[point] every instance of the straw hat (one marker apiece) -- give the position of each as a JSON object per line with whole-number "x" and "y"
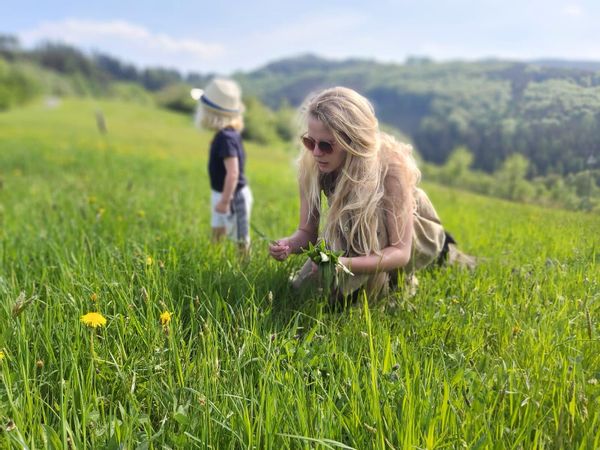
{"x": 223, "y": 96}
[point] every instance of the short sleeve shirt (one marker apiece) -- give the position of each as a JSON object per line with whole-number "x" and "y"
{"x": 227, "y": 143}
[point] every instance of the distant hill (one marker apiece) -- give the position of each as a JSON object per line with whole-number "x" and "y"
{"x": 547, "y": 111}
{"x": 593, "y": 66}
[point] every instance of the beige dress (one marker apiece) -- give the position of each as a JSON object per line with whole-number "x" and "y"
{"x": 428, "y": 241}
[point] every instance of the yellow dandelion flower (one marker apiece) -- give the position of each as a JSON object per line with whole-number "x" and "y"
{"x": 165, "y": 318}
{"x": 2, "y": 355}
{"x": 149, "y": 260}
{"x": 93, "y": 319}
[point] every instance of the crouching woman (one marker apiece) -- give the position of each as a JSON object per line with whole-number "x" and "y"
{"x": 376, "y": 216}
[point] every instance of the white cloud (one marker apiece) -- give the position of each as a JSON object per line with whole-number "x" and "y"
{"x": 329, "y": 34}
{"x": 573, "y": 10}
{"x": 312, "y": 30}
{"x": 126, "y": 40}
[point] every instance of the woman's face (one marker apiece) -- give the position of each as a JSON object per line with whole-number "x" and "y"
{"x": 328, "y": 161}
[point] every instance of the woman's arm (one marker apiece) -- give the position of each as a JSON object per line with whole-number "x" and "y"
{"x": 395, "y": 256}
{"x": 307, "y": 231}
{"x": 399, "y": 225}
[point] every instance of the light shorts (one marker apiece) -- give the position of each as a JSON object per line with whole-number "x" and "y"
{"x": 237, "y": 222}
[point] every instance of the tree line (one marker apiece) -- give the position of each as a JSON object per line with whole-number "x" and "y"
{"x": 60, "y": 69}
{"x": 98, "y": 69}
{"x": 551, "y": 115}
{"x": 527, "y": 131}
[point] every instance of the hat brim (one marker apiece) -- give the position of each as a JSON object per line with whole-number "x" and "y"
{"x": 220, "y": 110}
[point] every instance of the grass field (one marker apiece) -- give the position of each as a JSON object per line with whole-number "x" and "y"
{"x": 505, "y": 357}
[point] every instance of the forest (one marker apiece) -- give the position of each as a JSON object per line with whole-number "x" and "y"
{"x": 474, "y": 124}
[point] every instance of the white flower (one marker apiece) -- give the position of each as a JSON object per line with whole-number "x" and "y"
{"x": 324, "y": 257}
{"x": 344, "y": 268}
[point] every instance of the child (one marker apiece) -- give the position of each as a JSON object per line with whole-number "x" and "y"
{"x": 221, "y": 109}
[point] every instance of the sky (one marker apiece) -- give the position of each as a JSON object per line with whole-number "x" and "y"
{"x": 227, "y": 36}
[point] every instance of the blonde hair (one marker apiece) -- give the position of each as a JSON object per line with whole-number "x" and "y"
{"x": 212, "y": 120}
{"x": 378, "y": 172}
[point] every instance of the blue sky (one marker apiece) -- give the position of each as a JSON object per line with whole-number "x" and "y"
{"x": 224, "y": 36}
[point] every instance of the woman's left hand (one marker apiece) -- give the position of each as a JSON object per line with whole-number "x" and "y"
{"x": 280, "y": 249}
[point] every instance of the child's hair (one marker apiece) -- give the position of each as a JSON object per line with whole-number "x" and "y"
{"x": 374, "y": 162}
{"x": 212, "y": 120}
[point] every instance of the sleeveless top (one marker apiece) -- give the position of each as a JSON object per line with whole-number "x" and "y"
{"x": 428, "y": 241}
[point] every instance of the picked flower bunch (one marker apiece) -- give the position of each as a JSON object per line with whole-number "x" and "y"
{"x": 327, "y": 260}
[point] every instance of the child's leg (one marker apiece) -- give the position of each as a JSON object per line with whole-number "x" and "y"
{"x": 218, "y": 221}
{"x": 218, "y": 233}
{"x": 242, "y": 206}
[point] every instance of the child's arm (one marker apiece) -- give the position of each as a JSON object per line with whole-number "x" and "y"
{"x": 232, "y": 168}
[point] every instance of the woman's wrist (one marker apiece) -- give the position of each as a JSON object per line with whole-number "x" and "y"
{"x": 293, "y": 244}
{"x": 303, "y": 238}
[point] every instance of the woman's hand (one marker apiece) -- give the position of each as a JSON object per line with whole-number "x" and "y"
{"x": 280, "y": 249}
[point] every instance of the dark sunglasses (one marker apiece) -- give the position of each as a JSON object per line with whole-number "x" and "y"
{"x": 324, "y": 146}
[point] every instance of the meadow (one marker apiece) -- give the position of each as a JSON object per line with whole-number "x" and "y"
{"x": 202, "y": 350}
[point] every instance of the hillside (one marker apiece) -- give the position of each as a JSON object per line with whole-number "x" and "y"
{"x": 201, "y": 349}
{"x": 549, "y": 114}
{"x": 545, "y": 110}
{"x": 593, "y": 66}
{"x": 520, "y": 131}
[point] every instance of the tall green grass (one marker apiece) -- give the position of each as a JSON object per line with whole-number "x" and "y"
{"x": 507, "y": 356}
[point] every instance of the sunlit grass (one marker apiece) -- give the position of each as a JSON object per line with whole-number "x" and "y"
{"x": 202, "y": 350}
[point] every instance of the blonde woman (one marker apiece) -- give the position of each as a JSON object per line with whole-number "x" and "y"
{"x": 376, "y": 215}
{"x": 221, "y": 110}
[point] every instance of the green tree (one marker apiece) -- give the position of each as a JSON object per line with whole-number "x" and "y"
{"x": 259, "y": 122}
{"x": 176, "y": 97}
{"x": 457, "y": 166}
{"x": 16, "y": 85}
{"x": 284, "y": 119}
{"x": 9, "y": 46}
{"x": 511, "y": 178}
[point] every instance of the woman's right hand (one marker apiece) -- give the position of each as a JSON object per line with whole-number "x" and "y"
{"x": 280, "y": 249}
